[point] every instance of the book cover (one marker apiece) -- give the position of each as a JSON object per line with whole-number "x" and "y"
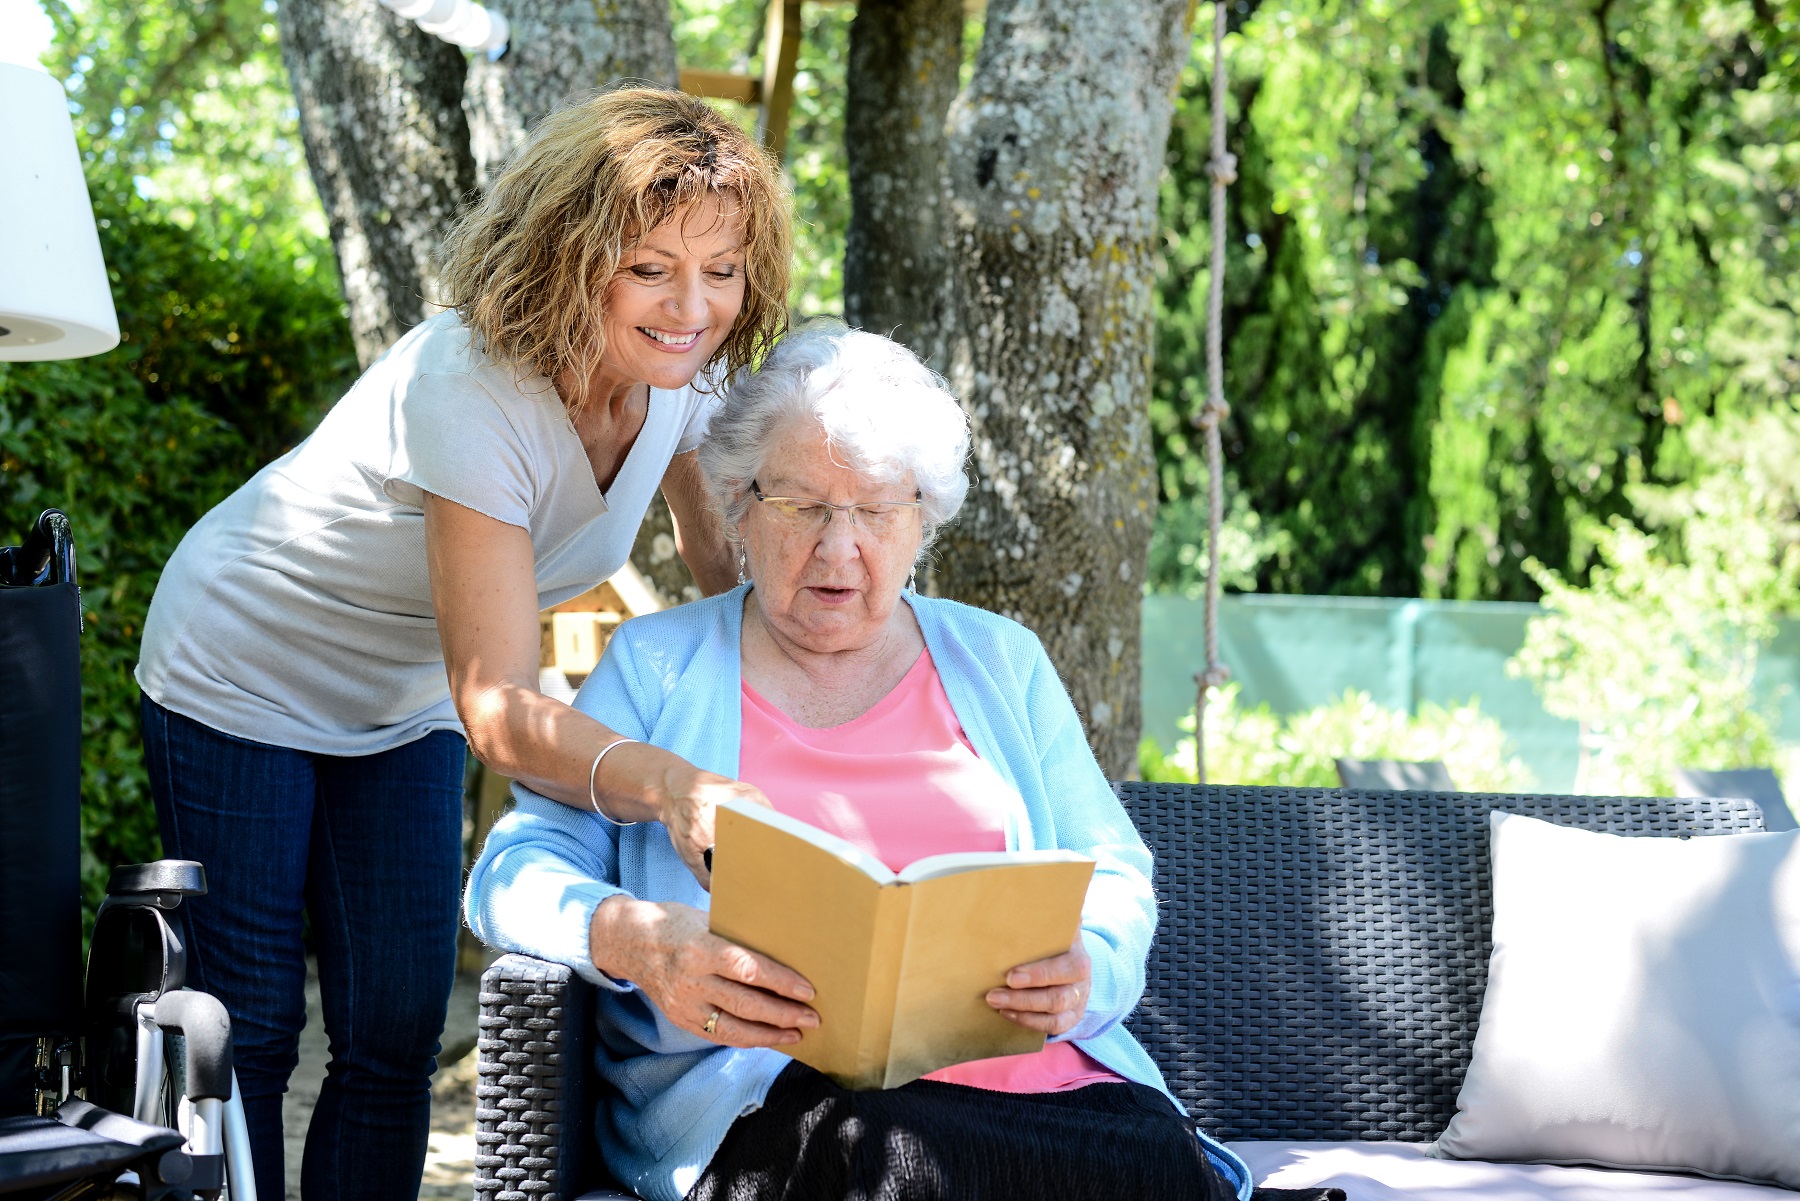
{"x": 901, "y": 962}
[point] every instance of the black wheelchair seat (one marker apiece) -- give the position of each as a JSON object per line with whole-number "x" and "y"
{"x": 83, "y": 1141}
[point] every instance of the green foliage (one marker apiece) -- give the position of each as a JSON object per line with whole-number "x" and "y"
{"x": 234, "y": 340}
{"x": 1483, "y": 264}
{"x": 1350, "y": 229}
{"x": 719, "y": 35}
{"x": 1256, "y": 746}
{"x": 1656, "y": 657}
{"x": 1178, "y": 548}
{"x": 816, "y": 161}
{"x": 185, "y": 102}
{"x": 225, "y": 363}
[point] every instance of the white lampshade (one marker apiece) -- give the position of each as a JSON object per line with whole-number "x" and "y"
{"x": 460, "y": 22}
{"x": 54, "y": 299}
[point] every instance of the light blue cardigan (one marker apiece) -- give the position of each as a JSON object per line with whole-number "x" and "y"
{"x": 672, "y": 679}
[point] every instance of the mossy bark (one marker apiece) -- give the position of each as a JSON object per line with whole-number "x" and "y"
{"x": 381, "y": 113}
{"x": 562, "y": 50}
{"x": 904, "y": 60}
{"x": 1054, "y": 152}
{"x": 653, "y": 554}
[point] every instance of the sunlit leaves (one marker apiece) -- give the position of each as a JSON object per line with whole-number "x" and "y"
{"x": 1256, "y": 746}
{"x": 186, "y": 102}
{"x": 1486, "y": 258}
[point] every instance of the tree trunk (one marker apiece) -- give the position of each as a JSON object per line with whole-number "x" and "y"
{"x": 904, "y": 60}
{"x": 562, "y": 49}
{"x": 653, "y": 554}
{"x": 1054, "y": 155}
{"x": 381, "y": 113}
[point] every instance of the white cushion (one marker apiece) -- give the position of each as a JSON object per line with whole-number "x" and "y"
{"x": 1642, "y": 1007}
{"x": 1403, "y": 1172}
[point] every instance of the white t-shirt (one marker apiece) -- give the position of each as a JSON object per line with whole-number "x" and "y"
{"x": 298, "y": 612}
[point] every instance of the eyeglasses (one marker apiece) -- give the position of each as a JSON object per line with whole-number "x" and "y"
{"x": 805, "y": 514}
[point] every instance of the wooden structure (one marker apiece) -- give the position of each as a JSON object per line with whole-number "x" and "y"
{"x": 572, "y": 635}
{"x": 772, "y": 92}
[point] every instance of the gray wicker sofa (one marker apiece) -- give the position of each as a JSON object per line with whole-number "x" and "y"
{"x": 1317, "y": 974}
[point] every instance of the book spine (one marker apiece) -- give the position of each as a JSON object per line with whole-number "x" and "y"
{"x": 887, "y": 954}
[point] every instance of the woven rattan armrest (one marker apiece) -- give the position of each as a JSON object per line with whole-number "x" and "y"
{"x": 534, "y": 1098}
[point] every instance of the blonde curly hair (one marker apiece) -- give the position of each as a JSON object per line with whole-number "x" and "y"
{"x": 528, "y": 265}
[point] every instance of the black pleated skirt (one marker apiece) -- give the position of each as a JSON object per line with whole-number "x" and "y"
{"x": 929, "y": 1141}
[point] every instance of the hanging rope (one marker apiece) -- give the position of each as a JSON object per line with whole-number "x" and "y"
{"x": 1223, "y": 169}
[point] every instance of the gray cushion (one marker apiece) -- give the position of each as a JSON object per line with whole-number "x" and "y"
{"x": 1397, "y": 774}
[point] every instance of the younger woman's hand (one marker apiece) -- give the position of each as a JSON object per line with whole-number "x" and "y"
{"x": 1047, "y": 994}
{"x": 696, "y": 978}
{"x": 687, "y": 806}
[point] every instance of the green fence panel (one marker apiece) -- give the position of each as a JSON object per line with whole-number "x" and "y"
{"x": 1298, "y": 652}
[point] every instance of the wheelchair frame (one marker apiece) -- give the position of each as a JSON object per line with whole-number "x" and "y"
{"x": 186, "y": 1135}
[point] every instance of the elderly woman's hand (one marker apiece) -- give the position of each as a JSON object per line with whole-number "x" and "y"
{"x": 698, "y": 979}
{"x": 1047, "y": 994}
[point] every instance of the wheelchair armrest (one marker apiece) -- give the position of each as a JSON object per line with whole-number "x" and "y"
{"x": 162, "y": 883}
{"x": 534, "y": 1096}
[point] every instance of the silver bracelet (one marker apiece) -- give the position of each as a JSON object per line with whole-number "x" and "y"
{"x": 595, "y": 770}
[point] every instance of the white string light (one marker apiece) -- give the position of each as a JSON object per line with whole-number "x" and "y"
{"x": 460, "y": 22}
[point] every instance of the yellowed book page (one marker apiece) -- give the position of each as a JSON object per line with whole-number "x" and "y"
{"x": 804, "y": 907}
{"x": 964, "y": 933}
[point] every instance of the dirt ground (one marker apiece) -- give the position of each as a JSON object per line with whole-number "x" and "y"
{"x": 450, "y": 1159}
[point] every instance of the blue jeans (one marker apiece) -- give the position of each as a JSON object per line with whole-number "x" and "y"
{"x": 370, "y": 847}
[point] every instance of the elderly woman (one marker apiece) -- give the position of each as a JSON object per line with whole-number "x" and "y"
{"x": 910, "y": 726}
{"x": 321, "y": 641}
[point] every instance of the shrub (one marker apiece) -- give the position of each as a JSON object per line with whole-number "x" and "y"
{"x": 1257, "y": 746}
{"x": 228, "y": 358}
{"x": 1657, "y": 656}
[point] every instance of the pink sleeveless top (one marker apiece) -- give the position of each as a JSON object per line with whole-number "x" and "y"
{"x": 902, "y": 782}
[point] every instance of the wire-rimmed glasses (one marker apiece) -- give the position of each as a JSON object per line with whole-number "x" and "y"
{"x": 803, "y": 513}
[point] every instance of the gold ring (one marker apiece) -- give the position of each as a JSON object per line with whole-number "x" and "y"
{"x": 712, "y": 1022}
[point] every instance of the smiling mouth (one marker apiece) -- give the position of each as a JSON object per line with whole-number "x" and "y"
{"x": 679, "y": 341}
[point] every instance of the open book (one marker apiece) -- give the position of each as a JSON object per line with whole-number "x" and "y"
{"x": 901, "y": 964}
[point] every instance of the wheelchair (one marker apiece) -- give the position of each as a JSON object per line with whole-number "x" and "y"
{"x": 119, "y": 1085}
